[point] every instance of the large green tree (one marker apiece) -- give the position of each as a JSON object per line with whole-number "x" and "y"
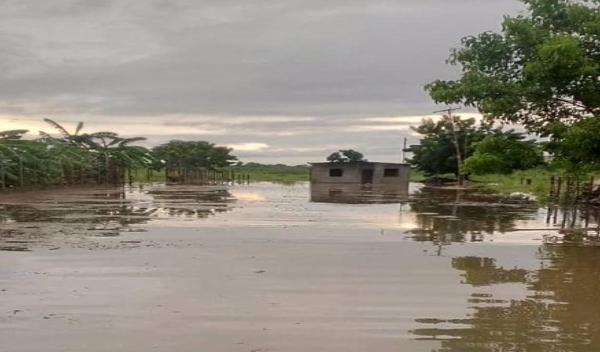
{"x": 445, "y": 144}
{"x": 579, "y": 146}
{"x": 189, "y": 155}
{"x": 541, "y": 70}
{"x": 503, "y": 153}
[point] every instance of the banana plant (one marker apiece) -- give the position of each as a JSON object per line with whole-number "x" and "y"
{"x": 13, "y": 154}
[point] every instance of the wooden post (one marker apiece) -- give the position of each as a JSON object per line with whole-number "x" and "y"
{"x": 558, "y": 188}
{"x": 549, "y": 215}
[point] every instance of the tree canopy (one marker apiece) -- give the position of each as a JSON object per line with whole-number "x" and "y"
{"x": 188, "y": 155}
{"x": 503, "y": 153}
{"x": 346, "y": 156}
{"x": 579, "y": 146}
{"x": 453, "y": 145}
{"x": 437, "y": 152}
{"x": 541, "y": 70}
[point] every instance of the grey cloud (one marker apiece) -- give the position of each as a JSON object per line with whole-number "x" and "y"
{"x": 295, "y": 58}
{"x": 335, "y": 60}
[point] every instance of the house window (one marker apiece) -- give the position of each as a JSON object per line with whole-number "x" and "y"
{"x": 391, "y": 172}
{"x": 336, "y": 172}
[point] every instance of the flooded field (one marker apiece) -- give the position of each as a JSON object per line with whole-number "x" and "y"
{"x": 261, "y": 267}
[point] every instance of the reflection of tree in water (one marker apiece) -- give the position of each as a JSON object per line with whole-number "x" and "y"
{"x": 483, "y": 271}
{"x": 96, "y": 208}
{"x": 445, "y": 215}
{"x": 118, "y": 214}
{"x": 113, "y": 208}
{"x": 200, "y": 203}
{"x": 561, "y": 313}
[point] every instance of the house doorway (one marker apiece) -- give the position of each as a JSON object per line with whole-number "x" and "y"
{"x": 367, "y": 176}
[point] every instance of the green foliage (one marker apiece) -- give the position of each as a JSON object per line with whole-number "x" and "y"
{"x": 189, "y": 155}
{"x": 541, "y": 71}
{"x": 346, "y": 156}
{"x": 67, "y": 159}
{"x": 107, "y": 154}
{"x": 503, "y": 153}
{"x": 436, "y": 152}
{"x": 579, "y": 146}
{"x": 273, "y": 172}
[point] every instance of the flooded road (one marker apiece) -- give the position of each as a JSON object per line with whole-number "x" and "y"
{"x": 261, "y": 268}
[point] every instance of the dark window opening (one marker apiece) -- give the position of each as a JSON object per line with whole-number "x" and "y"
{"x": 391, "y": 172}
{"x": 336, "y": 172}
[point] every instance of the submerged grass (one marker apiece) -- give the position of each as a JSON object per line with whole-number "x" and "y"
{"x": 534, "y": 181}
{"x": 273, "y": 173}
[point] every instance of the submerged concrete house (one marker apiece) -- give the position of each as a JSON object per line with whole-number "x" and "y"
{"x": 360, "y": 172}
{"x": 359, "y": 182}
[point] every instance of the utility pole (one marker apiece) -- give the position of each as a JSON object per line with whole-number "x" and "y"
{"x": 459, "y": 160}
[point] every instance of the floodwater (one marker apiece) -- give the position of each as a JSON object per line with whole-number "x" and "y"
{"x": 260, "y": 267}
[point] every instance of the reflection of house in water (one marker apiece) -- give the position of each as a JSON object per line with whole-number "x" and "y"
{"x": 359, "y": 182}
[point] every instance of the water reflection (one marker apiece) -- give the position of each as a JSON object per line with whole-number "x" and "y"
{"x": 355, "y": 193}
{"x": 116, "y": 206}
{"x": 186, "y": 202}
{"x": 446, "y": 216}
{"x": 484, "y": 272}
{"x": 560, "y": 312}
{"x": 576, "y": 216}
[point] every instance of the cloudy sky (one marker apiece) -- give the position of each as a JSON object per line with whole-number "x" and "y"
{"x": 284, "y": 81}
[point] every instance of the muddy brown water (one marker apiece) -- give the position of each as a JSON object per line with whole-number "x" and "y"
{"x": 262, "y": 268}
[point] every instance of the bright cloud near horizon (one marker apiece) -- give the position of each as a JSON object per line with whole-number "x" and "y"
{"x": 287, "y": 81}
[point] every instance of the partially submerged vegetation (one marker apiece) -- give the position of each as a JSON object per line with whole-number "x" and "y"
{"x": 69, "y": 159}
{"x": 78, "y": 158}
